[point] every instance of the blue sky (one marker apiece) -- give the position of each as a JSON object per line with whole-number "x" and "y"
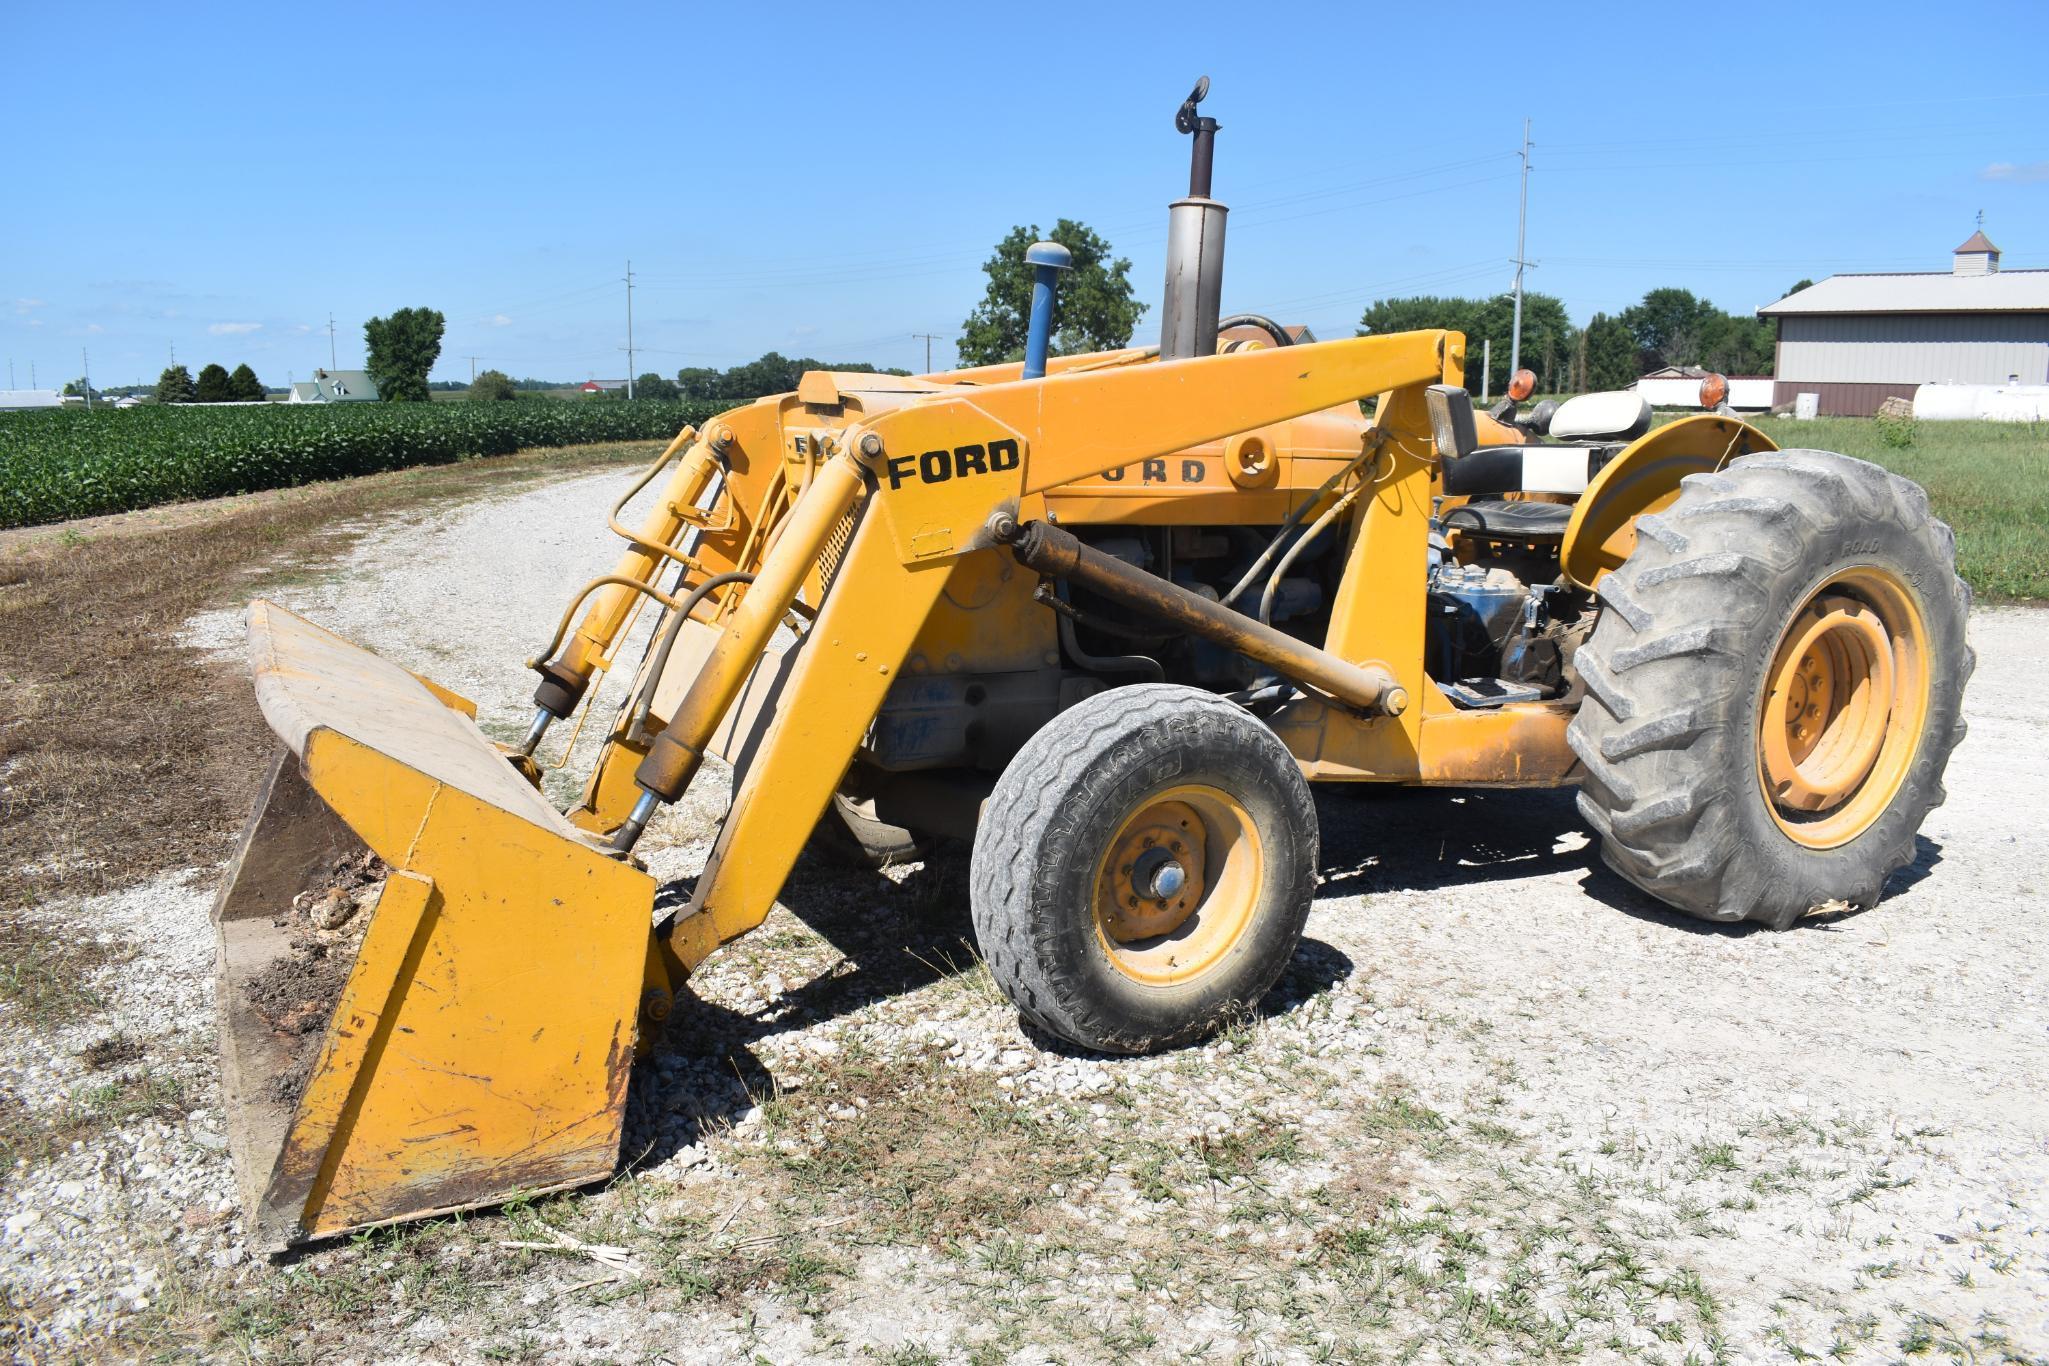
{"x": 827, "y": 180}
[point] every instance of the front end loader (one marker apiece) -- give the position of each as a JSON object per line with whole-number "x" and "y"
{"x": 1105, "y": 616}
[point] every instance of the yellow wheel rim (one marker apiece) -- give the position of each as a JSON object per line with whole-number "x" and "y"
{"x": 1845, "y": 700}
{"x": 1177, "y": 885}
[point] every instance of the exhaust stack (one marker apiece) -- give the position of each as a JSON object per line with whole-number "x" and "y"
{"x": 1195, "y": 244}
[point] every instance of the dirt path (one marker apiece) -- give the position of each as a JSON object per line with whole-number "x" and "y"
{"x": 1502, "y": 1106}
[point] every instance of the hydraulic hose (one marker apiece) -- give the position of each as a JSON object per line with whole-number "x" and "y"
{"x": 672, "y": 628}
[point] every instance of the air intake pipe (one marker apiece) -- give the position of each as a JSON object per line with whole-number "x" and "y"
{"x": 1195, "y": 244}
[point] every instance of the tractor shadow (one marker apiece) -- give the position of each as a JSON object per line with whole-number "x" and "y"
{"x": 894, "y": 934}
{"x": 1415, "y": 839}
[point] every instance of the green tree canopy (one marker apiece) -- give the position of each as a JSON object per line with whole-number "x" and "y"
{"x": 1549, "y": 338}
{"x": 244, "y": 386}
{"x": 1611, "y": 354}
{"x": 773, "y": 373}
{"x": 654, "y": 386}
{"x": 175, "y": 386}
{"x": 494, "y": 385}
{"x": 1671, "y": 327}
{"x": 1094, "y": 309}
{"x": 402, "y": 349}
{"x": 213, "y": 385}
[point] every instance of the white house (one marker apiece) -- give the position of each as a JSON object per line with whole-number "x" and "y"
{"x": 335, "y": 386}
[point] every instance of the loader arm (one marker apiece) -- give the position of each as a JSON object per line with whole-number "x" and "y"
{"x": 938, "y": 471}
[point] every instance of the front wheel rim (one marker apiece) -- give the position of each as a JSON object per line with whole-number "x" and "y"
{"x": 1176, "y": 890}
{"x": 1844, "y": 704}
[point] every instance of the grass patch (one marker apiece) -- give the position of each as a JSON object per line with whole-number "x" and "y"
{"x": 1988, "y": 480}
{"x": 927, "y": 1157}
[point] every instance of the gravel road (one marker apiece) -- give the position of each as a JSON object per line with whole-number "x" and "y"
{"x": 1503, "y": 1106}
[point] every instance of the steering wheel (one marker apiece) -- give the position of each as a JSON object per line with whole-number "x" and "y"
{"x": 1262, "y": 322}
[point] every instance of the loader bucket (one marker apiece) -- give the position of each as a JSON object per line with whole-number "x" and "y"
{"x": 462, "y": 1035}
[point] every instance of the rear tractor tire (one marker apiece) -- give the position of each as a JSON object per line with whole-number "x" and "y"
{"x": 1144, "y": 868}
{"x": 1774, "y": 687}
{"x": 850, "y": 834}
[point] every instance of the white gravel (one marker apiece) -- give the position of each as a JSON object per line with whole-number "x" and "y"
{"x": 1842, "y": 1132}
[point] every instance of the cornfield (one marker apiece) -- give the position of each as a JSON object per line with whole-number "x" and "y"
{"x": 75, "y": 463}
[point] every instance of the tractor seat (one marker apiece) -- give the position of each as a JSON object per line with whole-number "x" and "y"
{"x": 1512, "y": 521}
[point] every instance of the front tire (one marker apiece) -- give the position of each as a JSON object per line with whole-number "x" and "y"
{"x": 1144, "y": 868}
{"x": 1774, "y": 688}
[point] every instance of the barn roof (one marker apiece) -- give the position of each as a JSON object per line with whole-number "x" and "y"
{"x": 1978, "y": 241}
{"x": 2009, "y": 291}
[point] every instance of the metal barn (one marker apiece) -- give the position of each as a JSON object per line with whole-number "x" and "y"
{"x": 1857, "y": 340}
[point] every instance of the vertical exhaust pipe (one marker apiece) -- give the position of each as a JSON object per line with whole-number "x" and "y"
{"x": 1195, "y": 244}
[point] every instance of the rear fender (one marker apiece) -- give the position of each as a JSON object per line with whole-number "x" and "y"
{"x": 1645, "y": 478}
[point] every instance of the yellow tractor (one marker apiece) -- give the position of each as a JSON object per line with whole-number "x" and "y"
{"x": 1107, "y": 616}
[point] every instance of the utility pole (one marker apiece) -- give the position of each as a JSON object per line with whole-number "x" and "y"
{"x": 174, "y": 355}
{"x": 1522, "y": 219}
{"x": 928, "y": 338}
{"x": 10, "y": 372}
{"x": 473, "y": 369}
{"x": 1486, "y": 366}
{"x": 85, "y": 363}
{"x": 629, "y": 327}
{"x": 331, "y": 366}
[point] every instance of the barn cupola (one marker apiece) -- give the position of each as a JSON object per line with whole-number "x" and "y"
{"x": 1976, "y": 257}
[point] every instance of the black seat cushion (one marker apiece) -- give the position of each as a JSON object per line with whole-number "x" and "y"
{"x": 1517, "y": 521}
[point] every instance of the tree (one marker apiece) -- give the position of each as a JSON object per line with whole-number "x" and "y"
{"x": 244, "y": 387}
{"x": 78, "y": 388}
{"x": 1611, "y": 354}
{"x": 1548, "y": 336}
{"x": 653, "y": 386}
{"x": 494, "y": 385}
{"x": 774, "y": 373}
{"x": 402, "y": 349}
{"x": 175, "y": 386}
{"x": 213, "y": 385}
{"x": 1671, "y": 327}
{"x": 1094, "y": 309}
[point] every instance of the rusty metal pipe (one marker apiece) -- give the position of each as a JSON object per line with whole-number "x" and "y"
{"x": 1051, "y": 551}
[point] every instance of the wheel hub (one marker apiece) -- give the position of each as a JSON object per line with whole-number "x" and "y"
{"x": 1845, "y": 700}
{"x": 1156, "y": 872}
{"x": 1829, "y": 706}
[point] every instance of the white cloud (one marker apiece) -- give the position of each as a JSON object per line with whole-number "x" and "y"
{"x": 93, "y": 329}
{"x": 500, "y": 320}
{"x": 2034, "y": 173}
{"x": 303, "y": 328}
{"x": 27, "y": 305}
{"x": 233, "y": 329}
{"x": 804, "y": 330}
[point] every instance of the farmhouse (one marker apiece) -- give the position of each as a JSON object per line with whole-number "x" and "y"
{"x": 1857, "y": 340}
{"x": 335, "y": 386}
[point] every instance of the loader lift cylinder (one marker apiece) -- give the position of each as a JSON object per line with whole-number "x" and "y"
{"x": 678, "y": 751}
{"x": 1053, "y": 552}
